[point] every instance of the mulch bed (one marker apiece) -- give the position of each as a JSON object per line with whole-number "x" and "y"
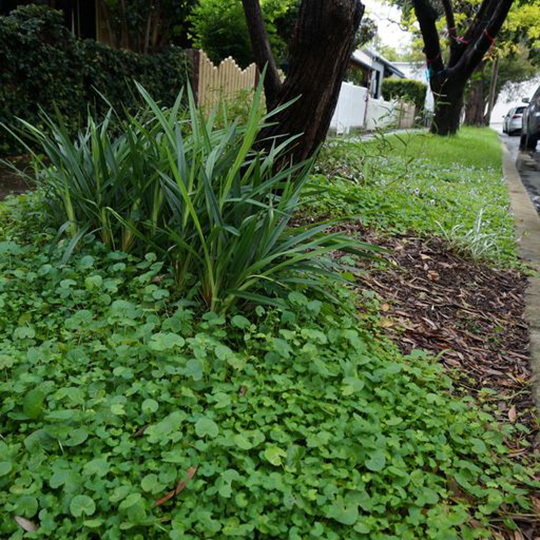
{"x": 472, "y": 316}
{"x": 469, "y": 313}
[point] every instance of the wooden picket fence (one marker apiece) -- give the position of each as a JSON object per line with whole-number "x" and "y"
{"x": 213, "y": 84}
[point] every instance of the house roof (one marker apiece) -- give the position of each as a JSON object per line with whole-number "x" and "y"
{"x": 367, "y": 57}
{"x": 362, "y": 59}
{"x": 413, "y": 70}
{"x": 390, "y": 66}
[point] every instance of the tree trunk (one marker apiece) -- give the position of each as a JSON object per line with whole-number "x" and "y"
{"x": 476, "y": 103}
{"x": 448, "y": 76}
{"x": 448, "y": 107}
{"x": 320, "y": 53}
{"x": 492, "y": 91}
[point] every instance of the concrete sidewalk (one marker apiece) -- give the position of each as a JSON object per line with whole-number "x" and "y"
{"x": 334, "y": 139}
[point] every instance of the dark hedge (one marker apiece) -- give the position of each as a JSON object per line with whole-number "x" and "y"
{"x": 43, "y": 66}
{"x": 405, "y": 90}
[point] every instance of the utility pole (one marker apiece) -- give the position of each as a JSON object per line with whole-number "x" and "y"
{"x": 492, "y": 88}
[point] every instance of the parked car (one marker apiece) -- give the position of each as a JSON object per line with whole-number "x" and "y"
{"x": 530, "y": 132}
{"x": 513, "y": 121}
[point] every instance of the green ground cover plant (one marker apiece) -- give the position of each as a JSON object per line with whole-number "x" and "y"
{"x": 417, "y": 182}
{"x": 126, "y": 413}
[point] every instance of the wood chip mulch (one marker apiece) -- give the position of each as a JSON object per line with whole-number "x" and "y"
{"x": 469, "y": 313}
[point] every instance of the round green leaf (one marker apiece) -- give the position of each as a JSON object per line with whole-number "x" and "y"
{"x": 82, "y": 504}
{"x": 274, "y": 454}
{"x": 206, "y": 427}
{"x": 131, "y": 500}
{"x": 242, "y": 442}
{"x": 150, "y": 406}
{"x": 376, "y": 462}
{"x": 164, "y": 341}
{"x": 149, "y": 482}
{"x": 33, "y": 403}
{"x": 27, "y": 506}
{"x": 77, "y": 436}
{"x": 5, "y": 467}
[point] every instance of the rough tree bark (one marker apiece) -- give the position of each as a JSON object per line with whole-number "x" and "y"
{"x": 476, "y": 101}
{"x": 448, "y": 80}
{"x": 320, "y": 51}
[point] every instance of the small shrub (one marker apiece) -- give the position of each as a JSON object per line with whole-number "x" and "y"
{"x": 43, "y": 67}
{"x": 478, "y": 242}
{"x": 202, "y": 197}
{"x": 405, "y": 90}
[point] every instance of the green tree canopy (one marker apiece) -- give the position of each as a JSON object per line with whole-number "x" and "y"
{"x": 220, "y": 28}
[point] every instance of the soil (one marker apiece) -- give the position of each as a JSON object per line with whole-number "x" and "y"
{"x": 471, "y": 314}
{"x": 10, "y": 182}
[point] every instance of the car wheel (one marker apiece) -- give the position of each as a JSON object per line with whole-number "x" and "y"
{"x": 529, "y": 143}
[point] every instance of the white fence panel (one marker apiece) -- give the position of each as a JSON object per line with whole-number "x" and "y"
{"x": 350, "y": 110}
{"x": 406, "y": 115}
{"x": 356, "y": 110}
{"x": 381, "y": 113}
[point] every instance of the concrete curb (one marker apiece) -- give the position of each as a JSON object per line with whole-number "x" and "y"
{"x": 527, "y": 224}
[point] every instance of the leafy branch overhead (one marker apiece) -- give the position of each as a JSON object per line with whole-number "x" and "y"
{"x": 449, "y": 73}
{"x": 467, "y": 50}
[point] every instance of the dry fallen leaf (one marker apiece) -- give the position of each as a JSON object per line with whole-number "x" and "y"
{"x": 433, "y": 275}
{"x": 512, "y": 414}
{"x": 179, "y": 487}
{"x": 385, "y": 307}
{"x": 25, "y": 524}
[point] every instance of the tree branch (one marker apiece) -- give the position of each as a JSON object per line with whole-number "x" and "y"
{"x": 485, "y": 38}
{"x": 427, "y": 18}
{"x": 450, "y": 20}
{"x": 262, "y": 51}
{"x": 452, "y": 33}
{"x": 484, "y": 13}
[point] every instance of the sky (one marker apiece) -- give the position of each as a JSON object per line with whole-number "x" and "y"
{"x": 387, "y": 17}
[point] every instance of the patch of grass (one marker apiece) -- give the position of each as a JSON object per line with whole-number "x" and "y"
{"x": 126, "y": 414}
{"x": 422, "y": 183}
{"x": 478, "y": 148}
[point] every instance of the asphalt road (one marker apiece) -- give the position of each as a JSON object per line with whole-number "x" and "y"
{"x": 528, "y": 165}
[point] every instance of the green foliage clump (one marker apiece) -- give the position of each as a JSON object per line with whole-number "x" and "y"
{"x": 43, "y": 67}
{"x": 213, "y": 206}
{"x": 291, "y": 423}
{"x": 220, "y": 28}
{"x": 405, "y": 90}
{"x": 422, "y": 183}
